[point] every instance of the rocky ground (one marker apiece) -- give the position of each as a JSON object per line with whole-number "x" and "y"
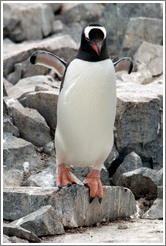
{"x": 132, "y": 175}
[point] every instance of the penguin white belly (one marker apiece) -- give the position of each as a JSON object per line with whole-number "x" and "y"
{"x": 85, "y": 114}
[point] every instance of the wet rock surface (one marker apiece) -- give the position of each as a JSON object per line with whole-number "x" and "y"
{"x": 29, "y": 123}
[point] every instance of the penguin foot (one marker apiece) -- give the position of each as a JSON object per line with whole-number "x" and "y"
{"x": 93, "y": 182}
{"x": 64, "y": 178}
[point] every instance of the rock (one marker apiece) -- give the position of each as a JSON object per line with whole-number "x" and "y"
{"x": 45, "y": 102}
{"x": 131, "y": 162}
{"x": 72, "y": 203}
{"x": 16, "y": 151}
{"x": 32, "y": 126}
{"x": 37, "y": 16}
{"x": 27, "y": 85}
{"x": 143, "y": 182}
{"x": 43, "y": 222}
{"x": 13, "y": 239}
{"x": 49, "y": 148}
{"x": 83, "y": 13}
{"x": 151, "y": 57}
{"x": 155, "y": 211}
{"x": 112, "y": 156}
{"x": 139, "y": 29}
{"x": 45, "y": 178}
{"x": 20, "y": 232}
{"x": 138, "y": 115}
{"x": 62, "y": 45}
{"x": 12, "y": 177}
{"x": 9, "y": 127}
{"x": 118, "y": 14}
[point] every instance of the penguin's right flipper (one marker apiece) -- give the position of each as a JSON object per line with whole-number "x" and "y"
{"x": 48, "y": 59}
{"x": 124, "y": 64}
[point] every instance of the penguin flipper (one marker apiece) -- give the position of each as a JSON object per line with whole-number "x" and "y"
{"x": 48, "y": 59}
{"x": 124, "y": 64}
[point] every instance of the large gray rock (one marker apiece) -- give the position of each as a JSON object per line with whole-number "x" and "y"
{"x": 115, "y": 18}
{"x": 16, "y": 151}
{"x": 20, "y": 232}
{"x": 150, "y": 56}
{"x": 143, "y": 182}
{"x": 155, "y": 211}
{"x": 131, "y": 162}
{"x": 43, "y": 222}
{"x": 72, "y": 203}
{"x": 46, "y": 103}
{"x": 29, "y": 21}
{"x": 141, "y": 29}
{"x": 32, "y": 126}
{"x": 62, "y": 45}
{"x": 84, "y": 13}
{"x": 139, "y": 117}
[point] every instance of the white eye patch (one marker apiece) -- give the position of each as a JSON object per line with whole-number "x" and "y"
{"x": 89, "y": 28}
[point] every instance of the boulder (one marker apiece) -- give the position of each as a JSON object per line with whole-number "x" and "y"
{"x": 115, "y": 18}
{"x": 20, "y": 232}
{"x": 72, "y": 203}
{"x": 45, "y": 102}
{"x": 32, "y": 126}
{"x": 139, "y": 119}
{"x": 139, "y": 29}
{"x": 43, "y": 222}
{"x": 83, "y": 13}
{"x": 16, "y": 151}
{"x": 131, "y": 162}
{"x": 143, "y": 182}
{"x": 150, "y": 56}
{"x": 29, "y": 21}
{"x": 155, "y": 211}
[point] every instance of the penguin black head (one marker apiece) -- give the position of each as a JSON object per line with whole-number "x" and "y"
{"x": 93, "y": 43}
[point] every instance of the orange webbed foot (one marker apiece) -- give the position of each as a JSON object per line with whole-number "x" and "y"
{"x": 94, "y": 183}
{"x": 64, "y": 177}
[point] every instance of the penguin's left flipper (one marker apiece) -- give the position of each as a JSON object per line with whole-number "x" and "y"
{"x": 48, "y": 59}
{"x": 124, "y": 64}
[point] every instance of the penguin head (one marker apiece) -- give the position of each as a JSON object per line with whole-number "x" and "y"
{"x": 93, "y": 43}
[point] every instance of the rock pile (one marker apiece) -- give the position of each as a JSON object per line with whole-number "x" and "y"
{"x": 30, "y": 93}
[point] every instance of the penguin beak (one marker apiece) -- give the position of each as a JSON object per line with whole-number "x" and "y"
{"x": 97, "y": 46}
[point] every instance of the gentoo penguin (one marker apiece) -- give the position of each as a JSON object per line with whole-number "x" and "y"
{"x": 86, "y": 107}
